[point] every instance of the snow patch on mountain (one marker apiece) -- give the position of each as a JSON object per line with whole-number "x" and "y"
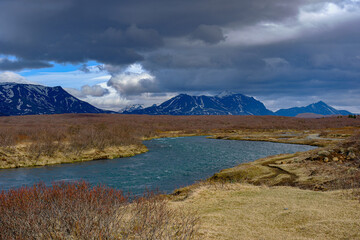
{"x": 131, "y": 108}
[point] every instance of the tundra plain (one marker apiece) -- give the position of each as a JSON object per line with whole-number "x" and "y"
{"x": 306, "y": 195}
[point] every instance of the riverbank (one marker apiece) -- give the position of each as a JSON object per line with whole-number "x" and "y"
{"x": 26, "y": 155}
{"x": 20, "y": 156}
{"x": 306, "y": 195}
{"x": 319, "y": 137}
{"x": 320, "y": 169}
{"x": 335, "y": 163}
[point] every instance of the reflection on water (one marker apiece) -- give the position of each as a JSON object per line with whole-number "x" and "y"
{"x": 170, "y": 163}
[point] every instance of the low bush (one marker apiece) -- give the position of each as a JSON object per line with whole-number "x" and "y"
{"x": 80, "y": 211}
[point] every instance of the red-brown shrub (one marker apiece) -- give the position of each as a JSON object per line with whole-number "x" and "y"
{"x": 79, "y": 211}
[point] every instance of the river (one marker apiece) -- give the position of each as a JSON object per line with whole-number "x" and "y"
{"x": 170, "y": 163}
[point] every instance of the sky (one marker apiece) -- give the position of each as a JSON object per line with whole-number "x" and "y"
{"x": 116, "y": 53}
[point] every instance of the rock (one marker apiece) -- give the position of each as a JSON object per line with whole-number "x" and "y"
{"x": 314, "y": 157}
{"x": 318, "y": 188}
{"x": 324, "y": 153}
{"x": 352, "y": 170}
{"x": 351, "y": 149}
{"x": 351, "y": 155}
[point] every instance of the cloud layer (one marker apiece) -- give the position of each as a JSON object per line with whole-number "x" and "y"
{"x": 277, "y": 49}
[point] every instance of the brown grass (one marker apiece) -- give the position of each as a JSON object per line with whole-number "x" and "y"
{"x": 79, "y": 211}
{"x": 240, "y": 211}
{"x": 227, "y": 210}
{"x": 76, "y": 132}
{"x": 100, "y": 130}
{"x": 48, "y": 139}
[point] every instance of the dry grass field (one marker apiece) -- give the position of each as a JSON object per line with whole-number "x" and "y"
{"x": 305, "y": 195}
{"x": 49, "y": 139}
{"x": 242, "y": 211}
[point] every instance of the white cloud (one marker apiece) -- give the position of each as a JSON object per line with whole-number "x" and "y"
{"x": 96, "y": 90}
{"x": 135, "y": 68}
{"x": 86, "y": 90}
{"x": 13, "y": 77}
{"x": 110, "y": 101}
{"x": 127, "y": 86}
{"x": 101, "y": 89}
{"x": 133, "y": 83}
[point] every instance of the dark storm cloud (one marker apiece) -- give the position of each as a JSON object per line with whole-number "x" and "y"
{"x": 322, "y": 61}
{"x": 119, "y": 32}
{"x": 258, "y": 47}
{"x": 6, "y": 64}
{"x": 208, "y": 34}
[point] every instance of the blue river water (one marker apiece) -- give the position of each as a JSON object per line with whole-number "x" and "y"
{"x": 170, "y": 163}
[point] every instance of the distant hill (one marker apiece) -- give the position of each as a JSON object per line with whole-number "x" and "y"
{"x": 222, "y": 104}
{"x": 29, "y": 99}
{"x": 315, "y": 108}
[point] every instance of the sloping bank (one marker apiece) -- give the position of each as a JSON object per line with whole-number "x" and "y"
{"x": 274, "y": 197}
{"x": 20, "y": 156}
{"x": 335, "y": 163}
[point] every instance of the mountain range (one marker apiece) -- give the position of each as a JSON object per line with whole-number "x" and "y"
{"x": 223, "y": 104}
{"x": 29, "y": 99}
{"x": 226, "y": 104}
{"x": 316, "y": 108}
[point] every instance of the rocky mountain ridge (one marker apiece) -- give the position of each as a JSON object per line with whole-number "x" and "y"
{"x": 227, "y": 103}
{"x": 29, "y": 99}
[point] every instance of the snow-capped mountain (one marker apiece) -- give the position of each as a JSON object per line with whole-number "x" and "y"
{"x": 317, "y": 108}
{"x": 131, "y": 108}
{"x": 28, "y": 99}
{"x": 222, "y": 104}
